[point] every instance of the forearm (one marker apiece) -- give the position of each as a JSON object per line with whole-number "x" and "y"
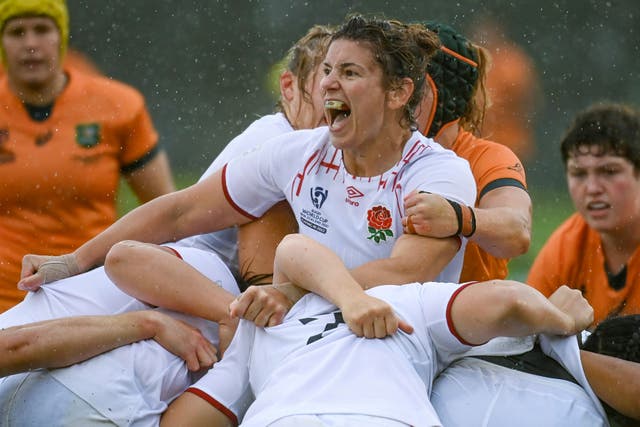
{"x": 413, "y": 259}
{"x": 615, "y": 381}
{"x": 154, "y": 274}
{"x": 502, "y": 232}
{"x": 503, "y": 222}
{"x": 152, "y": 222}
{"x": 315, "y": 268}
{"x": 201, "y": 208}
{"x": 62, "y": 342}
{"x": 486, "y": 310}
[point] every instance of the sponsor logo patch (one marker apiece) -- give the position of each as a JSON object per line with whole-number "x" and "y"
{"x": 88, "y": 134}
{"x": 353, "y": 193}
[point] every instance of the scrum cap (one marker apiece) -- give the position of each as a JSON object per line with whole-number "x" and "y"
{"x": 54, "y": 9}
{"x": 452, "y": 76}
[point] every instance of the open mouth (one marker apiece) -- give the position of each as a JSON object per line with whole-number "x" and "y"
{"x": 597, "y": 206}
{"x": 336, "y": 110}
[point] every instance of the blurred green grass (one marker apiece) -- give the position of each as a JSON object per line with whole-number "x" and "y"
{"x": 550, "y": 209}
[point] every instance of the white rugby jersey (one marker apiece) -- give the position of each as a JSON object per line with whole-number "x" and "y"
{"x": 358, "y": 218}
{"x": 474, "y": 393}
{"x": 224, "y": 242}
{"x": 313, "y": 364}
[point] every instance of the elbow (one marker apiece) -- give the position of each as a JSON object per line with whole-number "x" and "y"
{"x": 514, "y": 307}
{"x": 120, "y": 259}
{"x": 515, "y": 245}
{"x": 522, "y": 242}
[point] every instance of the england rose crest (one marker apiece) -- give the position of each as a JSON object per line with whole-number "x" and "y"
{"x": 380, "y": 222}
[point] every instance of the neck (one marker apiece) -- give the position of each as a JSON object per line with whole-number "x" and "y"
{"x": 448, "y": 134}
{"x": 618, "y": 248}
{"x": 40, "y": 94}
{"x": 377, "y": 158}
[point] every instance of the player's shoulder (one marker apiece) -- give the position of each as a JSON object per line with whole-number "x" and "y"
{"x": 268, "y": 126}
{"x": 468, "y": 146}
{"x": 420, "y": 150}
{"x": 298, "y": 142}
{"x": 571, "y": 236}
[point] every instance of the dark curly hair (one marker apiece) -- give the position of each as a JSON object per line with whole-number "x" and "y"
{"x": 604, "y": 129}
{"x": 402, "y": 50}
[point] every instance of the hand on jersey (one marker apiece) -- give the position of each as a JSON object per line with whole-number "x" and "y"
{"x": 184, "y": 341}
{"x": 40, "y": 269}
{"x": 429, "y": 215}
{"x": 226, "y": 330}
{"x": 264, "y": 305}
{"x": 572, "y": 303}
{"x": 371, "y": 317}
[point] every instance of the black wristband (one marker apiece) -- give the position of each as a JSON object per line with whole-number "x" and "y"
{"x": 458, "y": 210}
{"x": 473, "y": 223}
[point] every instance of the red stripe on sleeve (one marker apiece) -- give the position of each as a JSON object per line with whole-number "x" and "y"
{"x": 450, "y": 320}
{"x": 175, "y": 252}
{"x": 230, "y": 200}
{"x": 213, "y": 402}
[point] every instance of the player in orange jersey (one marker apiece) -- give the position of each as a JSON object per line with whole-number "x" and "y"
{"x": 597, "y": 249}
{"x": 451, "y": 113}
{"x": 66, "y": 138}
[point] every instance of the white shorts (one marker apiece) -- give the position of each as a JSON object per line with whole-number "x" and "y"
{"x": 476, "y": 393}
{"x": 336, "y": 420}
{"x": 21, "y": 394}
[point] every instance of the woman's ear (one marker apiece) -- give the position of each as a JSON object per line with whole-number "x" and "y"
{"x": 287, "y": 89}
{"x": 400, "y": 95}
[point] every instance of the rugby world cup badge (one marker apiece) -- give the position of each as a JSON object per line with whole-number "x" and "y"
{"x": 313, "y": 218}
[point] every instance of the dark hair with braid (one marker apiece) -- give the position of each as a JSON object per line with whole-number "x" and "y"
{"x": 402, "y": 50}
{"x": 617, "y": 337}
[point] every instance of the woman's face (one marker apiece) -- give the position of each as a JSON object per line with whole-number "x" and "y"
{"x": 605, "y": 191}
{"x": 355, "y": 99}
{"x": 32, "y": 49}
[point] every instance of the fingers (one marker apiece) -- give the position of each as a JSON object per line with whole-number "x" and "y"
{"x": 381, "y": 327}
{"x": 239, "y": 306}
{"x": 574, "y": 304}
{"x": 261, "y": 305}
{"x": 31, "y": 283}
{"x": 410, "y": 228}
{"x": 405, "y": 327}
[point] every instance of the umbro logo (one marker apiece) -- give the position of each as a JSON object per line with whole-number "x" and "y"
{"x": 353, "y": 193}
